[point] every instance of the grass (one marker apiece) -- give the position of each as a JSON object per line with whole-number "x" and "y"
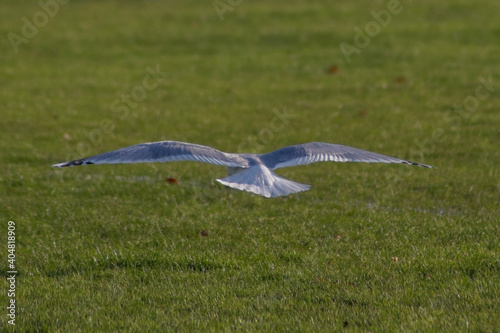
{"x": 381, "y": 248}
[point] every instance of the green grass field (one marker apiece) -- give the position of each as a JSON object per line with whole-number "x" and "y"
{"x": 370, "y": 248}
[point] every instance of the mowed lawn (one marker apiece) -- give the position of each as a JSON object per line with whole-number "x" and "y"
{"x": 370, "y": 248}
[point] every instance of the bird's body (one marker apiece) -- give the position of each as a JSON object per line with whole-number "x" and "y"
{"x": 246, "y": 172}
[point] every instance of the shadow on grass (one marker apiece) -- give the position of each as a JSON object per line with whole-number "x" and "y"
{"x": 197, "y": 265}
{"x": 182, "y": 264}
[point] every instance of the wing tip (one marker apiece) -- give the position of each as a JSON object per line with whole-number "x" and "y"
{"x": 419, "y": 164}
{"x": 71, "y": 163}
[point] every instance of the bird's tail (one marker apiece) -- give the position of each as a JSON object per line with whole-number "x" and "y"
{"x": 260, "y": 180}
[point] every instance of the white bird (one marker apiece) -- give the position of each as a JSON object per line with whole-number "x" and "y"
{"x": 246, "y": 172}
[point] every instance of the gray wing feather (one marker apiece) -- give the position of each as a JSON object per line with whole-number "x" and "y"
{"x": 163, "y": 151}
{"x": 319, "y": 152}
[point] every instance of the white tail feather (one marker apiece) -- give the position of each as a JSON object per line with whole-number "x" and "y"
{"x": 260, "y": 180}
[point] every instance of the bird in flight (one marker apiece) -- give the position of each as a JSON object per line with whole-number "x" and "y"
{"x": 246, "y": 172}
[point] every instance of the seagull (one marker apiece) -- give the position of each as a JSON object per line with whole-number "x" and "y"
{"x": 246, "y": 172}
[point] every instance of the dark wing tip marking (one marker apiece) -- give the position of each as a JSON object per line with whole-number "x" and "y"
{"x": 71, "y": 163}
{"x": 418, "y": 164}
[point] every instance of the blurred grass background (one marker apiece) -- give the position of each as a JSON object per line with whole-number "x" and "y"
{"x": 369, "y": 248}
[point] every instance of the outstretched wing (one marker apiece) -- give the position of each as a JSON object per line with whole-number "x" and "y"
{"x": 319, "y": 152}
{"x": 163, "y": 151}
